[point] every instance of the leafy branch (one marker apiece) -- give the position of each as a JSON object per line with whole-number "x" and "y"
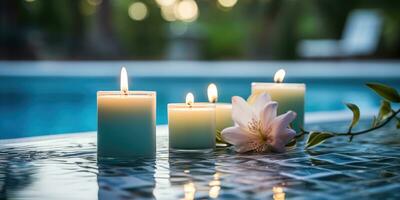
{"x": 386, "y": 114}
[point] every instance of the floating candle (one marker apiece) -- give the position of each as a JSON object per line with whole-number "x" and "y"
{"x": 290, "y": 96}
{"x": 191, "y": 125}
{"x": 223, "y": 111}
{"x": 126, "y": 122}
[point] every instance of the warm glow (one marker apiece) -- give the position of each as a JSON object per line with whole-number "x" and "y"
{"x": 187, "y": 10}
{"x": 215, "y": 186}
{"x": 214, "y": 191}
{"x": 190, "y": 191}
{"x": 124, "y": 81}
{"x": 165, "y": 2}
{"x": 167, "y": 12}
{"x": 212, "y": 93}
{"x": 278, "y": 193}
{"x": 137, "y": 11}
{"x": 279, "y": 76}
{"x": 227, "y": 3}
{"x": 189, "y": 99}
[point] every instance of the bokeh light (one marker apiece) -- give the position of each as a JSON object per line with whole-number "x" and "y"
{"x": 227, "y": 3}
{"x": 87, "y": 8}
{"x": 138, "y": 11}
{"x": 165, "y": 2}
{"x": 168, "y": 14}
{"x": 94, "y": 2}
{"x": 186, "y": 10}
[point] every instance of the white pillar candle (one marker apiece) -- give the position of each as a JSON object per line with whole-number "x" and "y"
{"x": 191, "y": 125}
{"x": 290, "y": 96}
{"x": 126, "y": 123}
{"x": 223, "y": 111}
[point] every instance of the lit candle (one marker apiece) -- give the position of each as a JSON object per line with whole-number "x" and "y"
{"x": 290, "y": 96}
{"x": 126, "y": 123}
{"x": 191, "y": 125}
{"x": 223, "y": 111}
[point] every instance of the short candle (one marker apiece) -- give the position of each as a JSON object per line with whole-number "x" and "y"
{"x": 290, "y": 96}
{"x": 126, "y": 123}
{"x": 223, "y": 111}
{"x": 191, "y": 125}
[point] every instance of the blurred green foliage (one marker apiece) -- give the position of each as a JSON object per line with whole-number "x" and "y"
{"x": 252, "y": 29}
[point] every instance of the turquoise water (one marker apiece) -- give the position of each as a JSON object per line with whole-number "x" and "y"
{"x": 66, "y": 167}
{"x": 31, "y": 106}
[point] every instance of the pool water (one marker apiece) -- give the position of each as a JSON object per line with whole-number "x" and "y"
{"x": 65, "y": 167}
{"x": 31, "y": 106}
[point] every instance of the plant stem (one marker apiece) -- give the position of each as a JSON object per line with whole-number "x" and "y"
{"x": 370, "y": 129}
{"x": 352, "y": 134}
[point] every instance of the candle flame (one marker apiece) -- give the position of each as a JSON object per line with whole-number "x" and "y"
{"x": 189, "y": 99}
{"x": 124, "y": 81}
{"x": 279, "y": 76}
{"x": 212, "y": 93}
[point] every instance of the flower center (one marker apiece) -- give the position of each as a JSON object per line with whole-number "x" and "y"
{"x": 255, "y": 126}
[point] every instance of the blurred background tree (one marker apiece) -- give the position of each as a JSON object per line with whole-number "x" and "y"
{"x": 183, "y": 29}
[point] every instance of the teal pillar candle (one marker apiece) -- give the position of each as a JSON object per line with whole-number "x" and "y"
{"x": 290, "y": 96}
{"x": 126, "y": 124}
{"x": 191, "y": 127}
{"x": 223, "y": 115}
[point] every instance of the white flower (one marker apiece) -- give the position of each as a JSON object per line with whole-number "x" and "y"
{"x": 258, "y": 127}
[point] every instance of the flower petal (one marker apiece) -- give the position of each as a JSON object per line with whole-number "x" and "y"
{"x": 268, "y": 114}
{"x": 241, "y": 111}
{"x": 240, "y": 139}
{"x": 262, "y": 99}
{"x": 282, "y": 121}
{"x": 279, "y": 144}
{"x": 280, "y": 134}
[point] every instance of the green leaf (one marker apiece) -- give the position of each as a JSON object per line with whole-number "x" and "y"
{"x": 374, "y": 122}
{"x": 317, "y": 138}
{"x": 218, "y": 137}
{"x": 292, "y": 143}
{"x": 356, "y": 114}
{"x": 387, "y": 92}
{"x": 384, "y": 110}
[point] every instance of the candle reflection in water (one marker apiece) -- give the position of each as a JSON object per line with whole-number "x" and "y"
{"x": 190, "y": 190}
{"x": 215, "y": 186}
{"x": 184, "y": 173}
{"x": 114, "y": 183}
{"x": 278, "y": 193}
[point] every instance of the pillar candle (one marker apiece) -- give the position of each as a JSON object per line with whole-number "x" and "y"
{"x": 223, "y": 111}
{"x": 290, "y": 96}
{"x": 191, "y": 125}
{"x": 126, "y": 123}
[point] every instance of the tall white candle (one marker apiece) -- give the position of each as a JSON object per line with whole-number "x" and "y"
{"x": 223, "y": 111}
{"x": 191, "y": 125}
{"x": 126, "y": 123}
{"x": 290, "y": 96}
